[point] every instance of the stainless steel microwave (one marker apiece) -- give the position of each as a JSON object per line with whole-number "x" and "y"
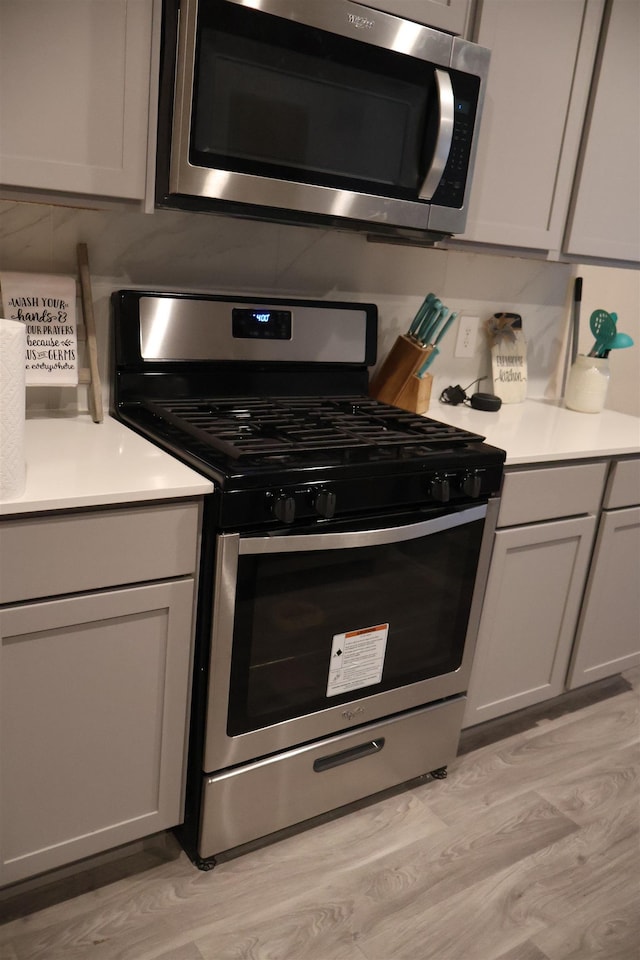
{"x": 323, "y": 111}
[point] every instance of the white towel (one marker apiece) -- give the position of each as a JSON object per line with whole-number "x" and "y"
{"x": 12, "y": 409}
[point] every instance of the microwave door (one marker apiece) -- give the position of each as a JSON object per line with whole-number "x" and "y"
{"x": 299, "y": 120}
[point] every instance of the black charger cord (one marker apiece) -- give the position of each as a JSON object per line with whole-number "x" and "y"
{"x": 479, "y": 401}
{"x": 456, "y": 395}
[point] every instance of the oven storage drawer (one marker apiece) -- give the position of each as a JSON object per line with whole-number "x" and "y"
{"x": 311, "y": 780}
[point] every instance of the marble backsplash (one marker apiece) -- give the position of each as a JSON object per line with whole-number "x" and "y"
{"x": 213, "y": 253}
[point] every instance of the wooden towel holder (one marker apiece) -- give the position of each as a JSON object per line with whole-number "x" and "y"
{"x": 89, "y": 375}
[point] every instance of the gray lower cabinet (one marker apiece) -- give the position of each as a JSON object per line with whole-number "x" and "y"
{"x": 92, "y": 695}
{"x": 562, "y": 604}
{"x": 608, "y": 637}
{"x": 539, "y": 566}
{"x": 529, "y": 617}
{"x": 94, "y": 685}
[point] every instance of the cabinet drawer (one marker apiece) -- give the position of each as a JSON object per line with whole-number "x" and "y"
{"x": 623, "y": 488}
{"x": 69, "y": 552}
{"x": 551, "y": 492}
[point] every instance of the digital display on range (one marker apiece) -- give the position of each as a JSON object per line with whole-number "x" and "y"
{"x": 261, "y": 324}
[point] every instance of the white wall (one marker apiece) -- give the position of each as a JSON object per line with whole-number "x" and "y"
{"x": 205, "y": 252}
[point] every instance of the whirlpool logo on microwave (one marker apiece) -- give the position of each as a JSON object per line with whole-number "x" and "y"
{"x": 361, "y": 23}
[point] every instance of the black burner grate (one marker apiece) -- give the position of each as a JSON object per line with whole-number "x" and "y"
{"x": 249, "y": 428}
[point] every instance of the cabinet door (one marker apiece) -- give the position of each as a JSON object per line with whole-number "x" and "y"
{"x": 74, "y": 76}
{"x": 449, "y": 15}
{"x": 608, "y": 638}
{"x": 93, "y": 720}
{"x": 542, "y": 56}
{"x": 529, "y": 616}
{"x": 606, "y": 218}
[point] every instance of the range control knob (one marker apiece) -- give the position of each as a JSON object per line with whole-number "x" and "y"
{"x": 440, "y": 489}
{"x": 325, "y": 504}
{"x": 284, "y": 508}
{"x": 471, "y": 484}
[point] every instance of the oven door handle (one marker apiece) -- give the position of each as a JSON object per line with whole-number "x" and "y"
{"x": 287, "y": 543}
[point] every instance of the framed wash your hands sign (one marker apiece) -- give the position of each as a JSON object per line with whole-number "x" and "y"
{"x": 46, "y": 305}
{"x": 56, "y": 333}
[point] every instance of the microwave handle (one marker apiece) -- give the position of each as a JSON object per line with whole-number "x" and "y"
{"x": 286, "y": 543}
{"x": 445, "y": 136}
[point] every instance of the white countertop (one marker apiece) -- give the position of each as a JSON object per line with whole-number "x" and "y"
{"x": 74, "y": 462}
{"x": 539, "y": 431}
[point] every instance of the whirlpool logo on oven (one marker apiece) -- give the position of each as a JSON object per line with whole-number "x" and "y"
{"x": 352, "y": 714}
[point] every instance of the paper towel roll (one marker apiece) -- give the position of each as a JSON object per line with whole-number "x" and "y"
{"x": 12, "y": 409}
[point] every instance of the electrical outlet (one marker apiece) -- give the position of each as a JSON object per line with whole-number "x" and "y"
{"x": 467, "y": 336}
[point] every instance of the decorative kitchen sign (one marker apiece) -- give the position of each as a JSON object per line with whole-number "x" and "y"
{"x": 46, "y": 305}
{"x": 508, "y": 357}
{"x": 357, "y": 659}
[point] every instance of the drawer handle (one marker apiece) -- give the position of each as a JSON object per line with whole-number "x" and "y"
{"x": 346, "y": 756}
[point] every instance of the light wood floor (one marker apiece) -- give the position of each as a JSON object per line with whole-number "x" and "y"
{"x": 528, "y": 851}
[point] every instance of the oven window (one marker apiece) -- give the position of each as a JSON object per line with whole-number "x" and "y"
{"x": 291, "y": 607}
{"x": 276, "y": 98}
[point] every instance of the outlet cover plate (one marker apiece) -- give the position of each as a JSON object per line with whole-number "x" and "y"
{"x": 467, "y": 336}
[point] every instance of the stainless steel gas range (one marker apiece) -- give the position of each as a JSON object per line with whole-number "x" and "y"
{"x": 345, "y": 552}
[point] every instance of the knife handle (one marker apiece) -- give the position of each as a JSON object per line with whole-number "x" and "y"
{"x": 422, "y": 309}
{"x": 446, "y": 327}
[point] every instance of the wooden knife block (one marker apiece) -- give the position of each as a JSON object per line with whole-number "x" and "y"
{"x": 395, "y": 382}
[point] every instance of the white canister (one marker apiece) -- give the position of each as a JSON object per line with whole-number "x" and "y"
{"x": 587, "y": 384}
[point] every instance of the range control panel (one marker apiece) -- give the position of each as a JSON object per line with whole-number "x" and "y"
{"x": 308, "y": 502}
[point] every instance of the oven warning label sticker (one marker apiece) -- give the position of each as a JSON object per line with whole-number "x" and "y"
{"x": 357, "y": 659}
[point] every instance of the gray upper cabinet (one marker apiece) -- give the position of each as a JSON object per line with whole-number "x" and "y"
{"x": 74, "y": 76}
{"x": 542, "y": 57}
{"x": 605, "y": 220}
{"x": 449, "y": 15}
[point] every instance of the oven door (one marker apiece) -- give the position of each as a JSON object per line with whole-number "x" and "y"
{"x": 324, "y": 108}
{"x": 314, "y": 633}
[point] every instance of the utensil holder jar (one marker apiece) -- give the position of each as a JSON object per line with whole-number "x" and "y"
{"x": 587, "y": 384}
